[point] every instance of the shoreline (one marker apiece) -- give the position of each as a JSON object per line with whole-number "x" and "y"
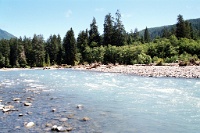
{"x": 147, "y": 71}
{"x": 172, "y": 70}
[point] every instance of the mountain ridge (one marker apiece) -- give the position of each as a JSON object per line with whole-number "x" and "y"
{"x": 5, "y": 35}
{"x": 157, "y": 31}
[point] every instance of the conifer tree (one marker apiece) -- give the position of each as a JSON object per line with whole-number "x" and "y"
{"x": 146, "y": 35}
{"x": 94, "y": 37}
{"x": 69, "y": 44}
{"x": 108, "y": 30}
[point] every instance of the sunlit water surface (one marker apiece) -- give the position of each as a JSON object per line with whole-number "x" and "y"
{"x": 115, "y": 103}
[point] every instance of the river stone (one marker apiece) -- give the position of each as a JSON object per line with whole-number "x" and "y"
{"x": 9, "y": 107}
{"x": 53, "y": 110}
{"x": 61, "y": 129}
{"x": 6, "y": 110}
{"x": 54, "y": 127}
{"x": 70, "y": 116}
{"x": 16, "y": 99}
{"x": 86, "y": 119}
{"x": 20, "y": 114}
{"x": 30, "y": 124}
{"x": 63, "y": 119}
{"x": 79, "y": 106}
{"x": 27, "y": 104}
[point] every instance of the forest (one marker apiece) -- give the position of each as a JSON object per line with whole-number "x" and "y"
{"x": 180, "y": 43}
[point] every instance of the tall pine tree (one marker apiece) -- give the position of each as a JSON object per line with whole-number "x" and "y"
{"x": 146, "y": 35}
{"x": 69, "y": 44}
{"x": 108, "y": 30}
{"x": 94, "y": 37}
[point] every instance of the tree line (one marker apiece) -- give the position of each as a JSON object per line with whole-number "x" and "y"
{"x": 115, "y": 45}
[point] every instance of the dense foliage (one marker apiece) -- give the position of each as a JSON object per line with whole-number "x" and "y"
{"x": 115, "y": 45}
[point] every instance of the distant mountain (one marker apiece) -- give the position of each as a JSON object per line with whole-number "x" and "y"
{"x": 157, "y": 31}
{"x": 5, "y": 35}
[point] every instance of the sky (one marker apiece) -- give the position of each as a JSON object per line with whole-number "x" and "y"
{"x": 48, "y": 17}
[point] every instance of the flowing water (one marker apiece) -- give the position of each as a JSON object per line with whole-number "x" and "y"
{"x": 115, "y": 103}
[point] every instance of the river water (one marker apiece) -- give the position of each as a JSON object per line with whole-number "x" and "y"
{"x": 115, "y": 103}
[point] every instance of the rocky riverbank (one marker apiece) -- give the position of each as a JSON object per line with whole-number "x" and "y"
{"x": 171, "y": 70}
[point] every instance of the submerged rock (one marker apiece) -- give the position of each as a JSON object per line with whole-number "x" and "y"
{"x": 63, "y": 119}
{"x": 70, "y": 116}
{"x": 79, "y": 106}
{"x": 86, "y": 119}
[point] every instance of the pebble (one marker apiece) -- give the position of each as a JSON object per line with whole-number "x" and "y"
{"x": 16, "y": 99}
{"x": 79, "y": 106}
{"x": 20, "y": 114}
{"x": 86, "y": 119}
{"x": 30, "y": 124}
{"x": 53, "y": 110}
{"x": 63, "y": 119}
{"x": 27, "y": 104}
{"x": 70, "y": 116}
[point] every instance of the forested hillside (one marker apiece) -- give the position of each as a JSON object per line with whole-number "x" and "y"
{"x": 5, "y": 35}
{"x": 158, "y": 31}
{"x": 115, "y": 45}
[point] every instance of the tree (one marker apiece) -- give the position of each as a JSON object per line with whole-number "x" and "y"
{"x": 119, "y": 31}
{"x": 180, "y": 27}
{"x": 82, "y": 43}
{"x": 38, "y": 52}
{"x": 146, "y": 36}
{"x": 108, "y": 30}
{"x": 69, "y": 44}
{"x": 94, "y": 34}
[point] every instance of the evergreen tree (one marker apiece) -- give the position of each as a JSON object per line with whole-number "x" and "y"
{"x": 165, "y": 33}
{"x": 119, "y": 31}
{"x": 180, "y": 27}
{"x": 82, "y": 43}
{"x": 94, "y": 37}
{"x": 146, "y": 36}
{"x": 69, "y": 44}
{"x": 38, "y": 51}
{"x": 108, "y": 30}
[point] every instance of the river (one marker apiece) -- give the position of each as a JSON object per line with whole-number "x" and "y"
{"x": 114, "y": 103}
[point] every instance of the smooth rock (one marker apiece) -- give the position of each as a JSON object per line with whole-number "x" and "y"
{"x": 63, "y": 119}
{"x": 30, "y": 124}
{"x": 79, "y": 106}
{"x": 54, "y": 127}
{"x": 9, "y": 107}
{"x": 20, "y": 115}
{"x": 27, "y": 104}
{"x": 70, "y": 116}
{"x": 48, "y": 125}
{"x": 16, "y": 99}
{"x": 53, "y": 110}
{"x": 1, "y": 100}
{"x": 86, "y": 119}
{"x": 6, "y": 110}
{"x": 61, "y": 129}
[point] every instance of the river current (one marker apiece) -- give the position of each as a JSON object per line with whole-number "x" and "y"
{"x": 115, "y": 103}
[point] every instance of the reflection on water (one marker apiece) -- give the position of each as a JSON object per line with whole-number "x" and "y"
{"x": 113, "y": 102}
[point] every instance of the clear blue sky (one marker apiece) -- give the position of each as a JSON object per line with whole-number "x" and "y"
{"x": 28, "y": 17}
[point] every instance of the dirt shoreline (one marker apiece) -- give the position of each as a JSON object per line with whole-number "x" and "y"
{"x": 148, "y": 71}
